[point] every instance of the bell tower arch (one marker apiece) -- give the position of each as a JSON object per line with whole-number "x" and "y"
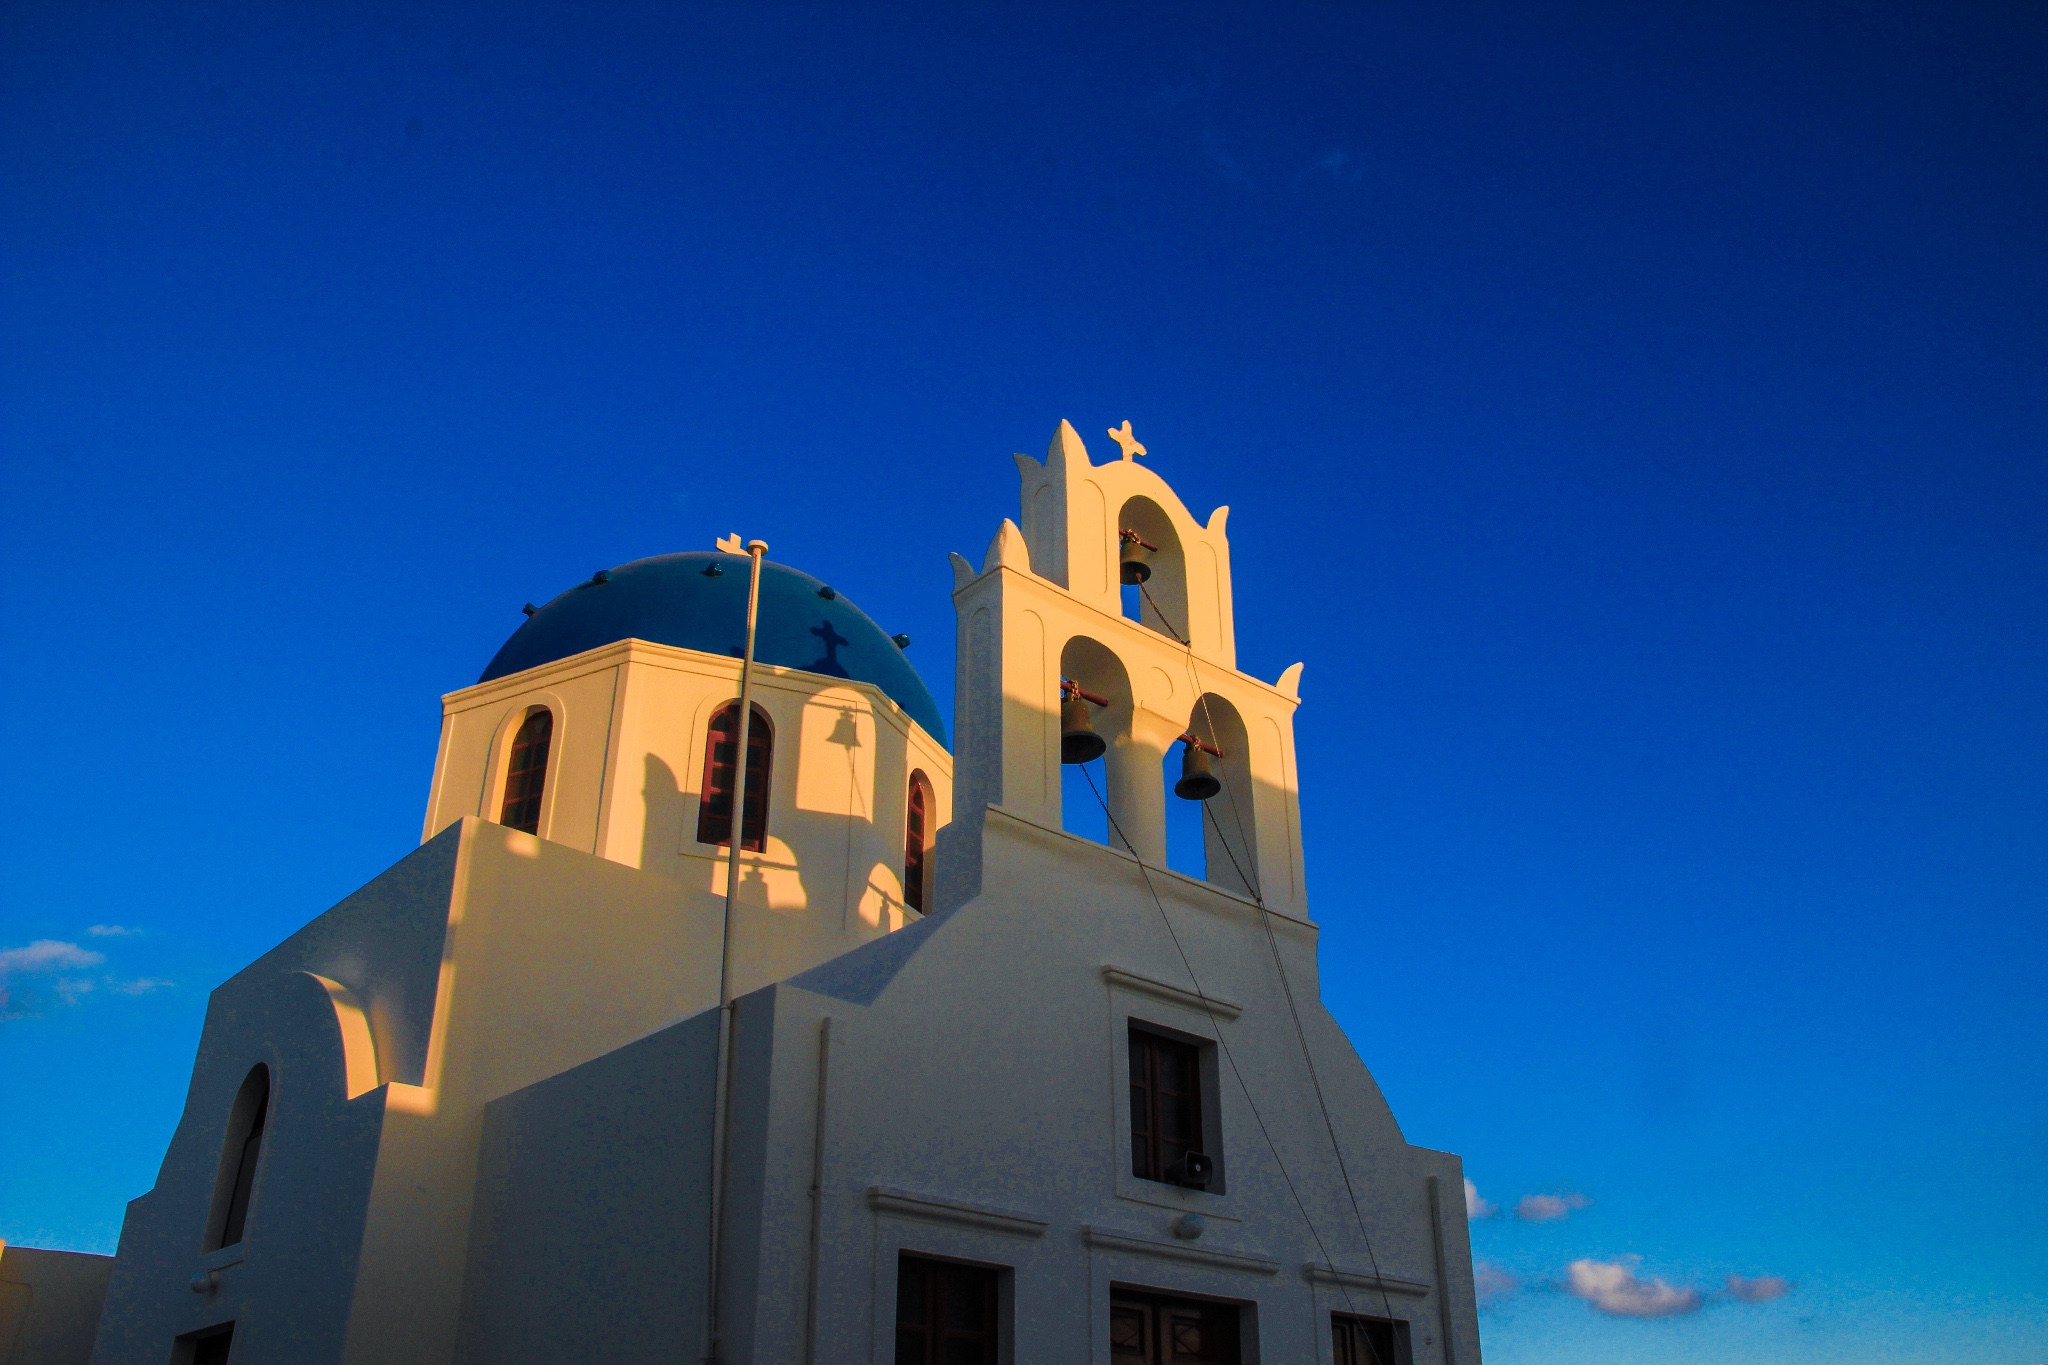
{"x": 1044, "y": 615}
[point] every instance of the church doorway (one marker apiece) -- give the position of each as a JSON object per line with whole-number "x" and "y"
{"x": 1148, "y": 1329}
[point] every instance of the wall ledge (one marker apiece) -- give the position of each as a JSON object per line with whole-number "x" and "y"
{"x": 934, "y": 1208}
{"x": 225, "y": 1257}
{"x": 1202, "y": 1003}
{"x": 1227, "y": 1258}
{"x": 1322, "y": 1272}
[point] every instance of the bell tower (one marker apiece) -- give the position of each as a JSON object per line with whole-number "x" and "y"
{"x": 1042, "y": 622}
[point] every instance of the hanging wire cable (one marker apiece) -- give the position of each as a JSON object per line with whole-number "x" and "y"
{"x": 1223, "y": 1047}
{"x": 1315, "y": 1080}
{"x": 1273, "y": 945}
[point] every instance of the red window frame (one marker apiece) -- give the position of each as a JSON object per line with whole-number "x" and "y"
{"x": 714, "y": 807}
{"x": 526, "y": 772}
{"x": 916, "y": 839}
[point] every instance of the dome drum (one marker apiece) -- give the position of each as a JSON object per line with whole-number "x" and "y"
{"x": 699, "y": 601}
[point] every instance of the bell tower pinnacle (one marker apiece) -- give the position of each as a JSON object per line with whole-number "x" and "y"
{"x": 1042, "y": 622}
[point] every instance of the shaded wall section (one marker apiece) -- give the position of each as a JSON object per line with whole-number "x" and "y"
{"x": 592, "y": 1208}
{"x": 50, "y": 1304}
{"x": 289, "y": 1283}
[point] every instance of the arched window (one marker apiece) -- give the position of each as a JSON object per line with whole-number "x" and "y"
{"x": 917, "y": 842}
{"x": 721, "y": 747}
{"x": 238, "y": 1158}
{"x": 1161, "y": 603}
{"x": 526, "y": 774}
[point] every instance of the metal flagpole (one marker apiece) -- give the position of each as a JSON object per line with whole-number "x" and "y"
{"x": 735, "y": 836}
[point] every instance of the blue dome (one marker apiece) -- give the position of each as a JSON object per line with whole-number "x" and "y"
{"x": 678, "y": 600}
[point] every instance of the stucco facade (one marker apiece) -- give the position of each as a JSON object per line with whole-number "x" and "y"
{"x": 50, "y": 1303}
{"x": 482, "y": 1127}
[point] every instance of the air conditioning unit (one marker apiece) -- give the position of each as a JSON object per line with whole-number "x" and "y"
{"x": 1193, "y": 1169}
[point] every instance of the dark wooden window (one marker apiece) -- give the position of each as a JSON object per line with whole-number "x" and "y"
{"x": 721, "y": 745}
{"x": 526, "y": 775}
{"x": 212, "y": 1347}
{"x": 916, "y": 825}
{"x": 945, "y": 1313}
{"x": 239, "y": 1158}
{"x": 1166, "y": 1104}
{"x": 1368, "y": 1341}
{"x": 1145, "y": 1329}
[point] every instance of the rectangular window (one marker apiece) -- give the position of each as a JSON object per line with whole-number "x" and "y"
{"x": 1368, "y": 1341}
{"x": 1166, "y": 1109}
{"x": 1145, "y": 1329}
{"x": 945, "y": 1313}
{"x": 210, "y": 1347}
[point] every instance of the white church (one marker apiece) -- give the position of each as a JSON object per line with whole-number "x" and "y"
{"x": 991, "y": 1091}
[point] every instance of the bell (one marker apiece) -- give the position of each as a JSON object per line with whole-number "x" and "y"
{"x": 1078, "y": 741}
{"x": 1135, "y": 563}
{"x": 1197, "y": 781}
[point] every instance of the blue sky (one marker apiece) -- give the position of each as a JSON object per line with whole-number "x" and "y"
{"x": 1632, "y": 416}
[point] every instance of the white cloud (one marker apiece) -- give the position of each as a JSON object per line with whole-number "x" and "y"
{"x": 1762, "y": 1289}
{"x": 1493, "y": 1283}
{"x": 47, "y": 955}
{"x": 1475, "y": 1207}
{"x": 72, "y": 989}
{"x": 112, "y": 930}
{"x": 1614, "y": 1288}
{"x": 1548, "y": 1208}
{"x": 62, "y": 962}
